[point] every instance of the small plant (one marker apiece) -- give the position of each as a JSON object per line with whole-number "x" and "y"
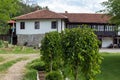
{"x": 1, "y": 43}
{"x": 54, "y": 75}
{"x": 40, "y": 66}
{"x": 30, "y": 75}
{"x": 32, "y": 68}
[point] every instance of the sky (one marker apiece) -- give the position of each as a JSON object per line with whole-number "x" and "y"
{"x": 72, "y": 6}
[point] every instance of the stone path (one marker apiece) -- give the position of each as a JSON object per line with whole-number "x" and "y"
{"x": 16, "y": 72}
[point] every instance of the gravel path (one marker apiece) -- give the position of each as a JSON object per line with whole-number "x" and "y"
{"x": 16, "y": 72}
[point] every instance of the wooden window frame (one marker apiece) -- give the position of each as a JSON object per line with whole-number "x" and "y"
{"x": 54, "y": 24}
{"x": 22, "y": 25}
{"x": 37, "y": 25}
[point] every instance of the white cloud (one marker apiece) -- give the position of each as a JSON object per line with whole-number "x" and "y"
{"x": 81, "y": 6}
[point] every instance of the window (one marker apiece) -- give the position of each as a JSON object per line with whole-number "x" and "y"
{"x": 22, "y": 25}
{"x": 37, "y": 25}
{"x": 54, "y": 24}
{"x": 109, "y": 28}
{"x": 100, "y": 27}
{"x": 95, "y": 27}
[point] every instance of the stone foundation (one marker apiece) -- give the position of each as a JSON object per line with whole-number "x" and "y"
{"x": 29, "y": 40}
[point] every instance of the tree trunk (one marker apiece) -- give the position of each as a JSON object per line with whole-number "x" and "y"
{"x": 76, "y": 73}
{"x": 51, "y": 65}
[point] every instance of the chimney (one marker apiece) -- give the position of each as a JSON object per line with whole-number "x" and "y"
{"x": 66, "y": 11}
{"x": 37, "y": 8}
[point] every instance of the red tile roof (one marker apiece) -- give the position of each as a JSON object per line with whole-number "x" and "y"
{"x": 87, "y": 18}
{"x": 41, "y": 14}
{"x": 72, "y": 17}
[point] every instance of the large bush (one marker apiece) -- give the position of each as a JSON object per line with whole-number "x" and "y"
{"x": 51, "y": 50}
{"x": 80, "y": 52}
{"x": 77, "y": 49}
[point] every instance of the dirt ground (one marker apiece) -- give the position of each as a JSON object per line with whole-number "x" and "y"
{"x": 16, "y": 71}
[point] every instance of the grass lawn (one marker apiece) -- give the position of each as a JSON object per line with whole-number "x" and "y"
{"x": 1, "y": 59}
{"x": 18, "y": 50}
{"x": 110, "y": 67}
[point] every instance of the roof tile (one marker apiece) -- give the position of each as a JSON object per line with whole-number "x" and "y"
{"x": 72, "y": 17}
{"x": 87, "y": 18}
{"x": 41, "y": 14}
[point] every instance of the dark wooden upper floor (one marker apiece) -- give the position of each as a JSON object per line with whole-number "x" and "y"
{"x": 99, "y": 29}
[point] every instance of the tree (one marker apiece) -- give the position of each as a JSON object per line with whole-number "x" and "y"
{"x": 80, "y": 52}
{"x": 24, "y": 8}
{"x": 7, "y": 9}
{"x": 112, "y": 8}
{"x": 51, "y": 51}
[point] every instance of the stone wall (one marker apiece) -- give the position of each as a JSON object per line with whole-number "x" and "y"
{"x": 29, "y": 40}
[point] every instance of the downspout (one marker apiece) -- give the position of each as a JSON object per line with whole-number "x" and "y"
{"x": 61, "y": 25}
{"x": 12, "y": 33}
{"x": 57, "y": 26}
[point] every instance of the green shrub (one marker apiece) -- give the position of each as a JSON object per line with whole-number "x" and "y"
{"x": 40, "y": 66}
{"x": 51, "y": 50}
{"x": 1, "y": 43}
{"x": 54, "y": 75}
{"x": 30, "y": 75}
{"x": 37, "y": 64}
{"x": 80, "y": 47}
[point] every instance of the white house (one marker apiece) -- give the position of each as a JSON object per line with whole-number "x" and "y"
{"x": 31, "y": 27}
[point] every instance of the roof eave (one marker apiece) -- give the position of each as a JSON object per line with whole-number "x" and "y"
{"x": 40, "y": 18}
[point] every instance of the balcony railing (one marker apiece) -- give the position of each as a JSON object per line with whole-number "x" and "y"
{"x": 106, "y": 33}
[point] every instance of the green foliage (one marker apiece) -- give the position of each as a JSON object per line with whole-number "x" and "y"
{"x": 4, "y": 29}
{"x": 7, "y": 9}
{"x": 112, "y": 7}
{"x": 54, "y": 75}
{"x": 30, "y": 75}
{"x": 1, "y": 43}
{"x": 24, "y": 9}
{"x": 74, "y": 52}
{"x": 51, "y": 50}
{"x": 37, "y": 65}
{"x": 32, "y": 68}
{"x": 1, "y": 59}
{"x": 80, "y": 47}
{"x": 110, "y": 67}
